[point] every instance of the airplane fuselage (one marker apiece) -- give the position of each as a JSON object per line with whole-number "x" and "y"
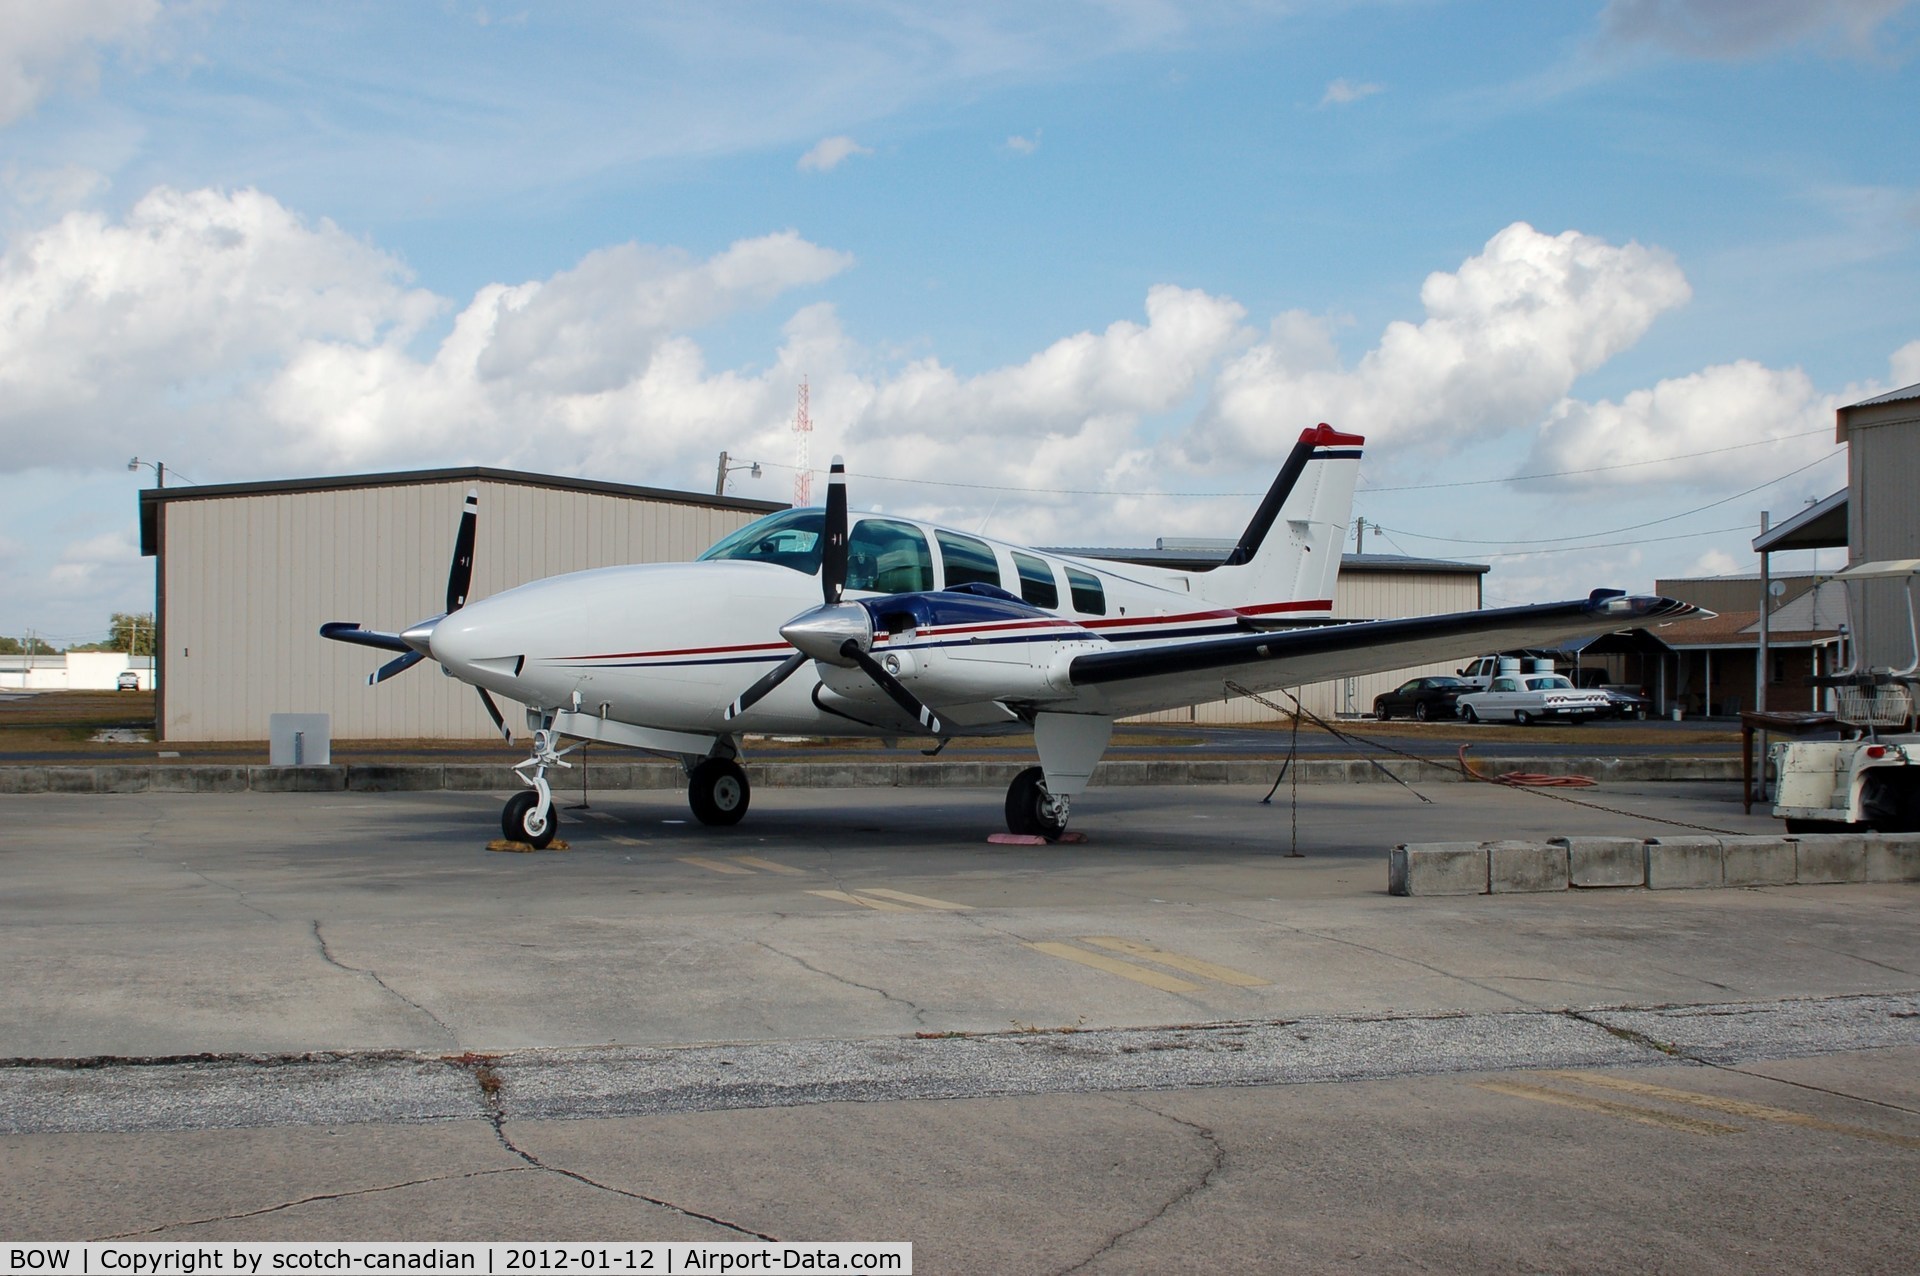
{"x": 669, "y": 645}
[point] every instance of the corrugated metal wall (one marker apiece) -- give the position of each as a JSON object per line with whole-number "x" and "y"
{"x": 1360, "y": 595}
{"x": 250, "y": 579}
{"x": 1883, "y": 522}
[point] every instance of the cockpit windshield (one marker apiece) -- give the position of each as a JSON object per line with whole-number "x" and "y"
{"x": 791, "y": 538}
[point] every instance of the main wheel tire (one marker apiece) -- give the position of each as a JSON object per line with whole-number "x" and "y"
{"x": 518, "y": 825}
{"x": 1420, "y": 711}
{"x": 1889, "y": 804}
{"x": 1820, "y": 826}
{"x": 718, "y": 792}
{"x": 1028, "y": 811}
{"x": 1466, "y": 711}
{"x": 1522, "y": 717}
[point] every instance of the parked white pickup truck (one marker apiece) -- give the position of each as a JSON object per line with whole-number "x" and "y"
{"x": 1513, "y": 696}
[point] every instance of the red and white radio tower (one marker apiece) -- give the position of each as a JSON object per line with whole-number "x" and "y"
{"x": 802, "y": 434}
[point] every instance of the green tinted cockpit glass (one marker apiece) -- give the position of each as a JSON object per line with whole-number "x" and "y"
{"x": 791, "y": 538}
{"x": 888, "y": 557}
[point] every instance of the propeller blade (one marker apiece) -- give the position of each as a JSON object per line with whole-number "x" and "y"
{"x": 460, "y": 575}
{"x": 398, "y": 664}
{"x": 350, "y": 631}
{"x": 892, "y": 686}
{"x": 753, "y": 695}
{"x": 833, "y": 554}
{"x": 493, "y": 711}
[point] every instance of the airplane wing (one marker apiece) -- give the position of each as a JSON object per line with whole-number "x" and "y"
{"x": 1147, "y": 679}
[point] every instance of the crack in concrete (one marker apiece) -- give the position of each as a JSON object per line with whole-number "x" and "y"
{"x": 491, "y": 1085}
{"x": 239, "y": 895}
{"x": 309, "y": 1200}
{"x": 327, "y": 954}
{"x": 1217, "y": 1163}
{"x": 919, "y": 1014}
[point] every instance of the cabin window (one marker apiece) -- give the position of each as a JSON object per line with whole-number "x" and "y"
{"x": 1505, "y": 684}
{"x": 1089, "y": 596}
{"x": 1036, "y": 581}
{"x": 889, "y": 557}
{"x": 968, "y": 561}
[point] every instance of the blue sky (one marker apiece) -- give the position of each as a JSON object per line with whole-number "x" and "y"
{"x": 1077, "y": 272}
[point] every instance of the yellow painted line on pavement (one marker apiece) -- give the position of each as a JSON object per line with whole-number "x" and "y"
{"x": 1607, "y": 1107}
{"x": 1114, "y": 966}
{"x": 1735, "y": 1107}
{"x": 623, "y": 840}
{"x": 715, "y": 866}
{"x": 878, "y": 905}
{"x": 605, "y": 817}
{"x": 753, "y": 861}
{"x": 938, "y": 905}
{"x": 1179, "y": 961}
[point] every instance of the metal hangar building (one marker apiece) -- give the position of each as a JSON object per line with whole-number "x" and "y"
{"x": 245, "y": 574}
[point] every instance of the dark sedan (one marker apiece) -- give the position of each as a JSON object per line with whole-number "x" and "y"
{"x": 1421, "y": 698}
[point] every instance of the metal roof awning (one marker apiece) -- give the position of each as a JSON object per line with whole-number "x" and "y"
{"x": 1822, "y": 525}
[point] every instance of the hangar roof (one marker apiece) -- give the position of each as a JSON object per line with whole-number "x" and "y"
{"x": 152, "y": 498}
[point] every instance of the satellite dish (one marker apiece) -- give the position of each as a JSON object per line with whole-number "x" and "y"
{"x": 1776, "y": 587}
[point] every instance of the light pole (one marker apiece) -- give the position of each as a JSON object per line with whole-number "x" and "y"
{"x": 720, "y": 477}
{"x": 158, "y": 467}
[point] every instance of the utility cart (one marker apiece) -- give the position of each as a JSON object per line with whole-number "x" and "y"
{"x": 1871, "y": 781}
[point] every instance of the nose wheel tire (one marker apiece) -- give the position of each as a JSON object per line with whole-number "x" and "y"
{"x": 1030, "y": 809}
{"x": 517, "y": 821}
{"x": 718, "y": 791}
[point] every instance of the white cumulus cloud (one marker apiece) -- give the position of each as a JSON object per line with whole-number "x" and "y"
{"x": 1742, "y": 28}
{"x": 1707, "y": 419}
{"x": 829, "y": 153}
{"x": 43, "y": 42}
{"x": 1343, "y": 91}
{"x": 1504, "y": 338}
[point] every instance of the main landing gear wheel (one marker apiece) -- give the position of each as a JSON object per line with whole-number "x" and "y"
{"x": 1031, "y": 810}
{"x": 519, "y": 824}
{"x": 718, "y": 791}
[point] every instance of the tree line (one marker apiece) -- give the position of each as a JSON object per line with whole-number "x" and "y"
{"x": 131, "y": 632}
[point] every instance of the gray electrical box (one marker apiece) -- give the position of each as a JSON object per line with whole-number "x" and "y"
{"x": 299, "y": 739}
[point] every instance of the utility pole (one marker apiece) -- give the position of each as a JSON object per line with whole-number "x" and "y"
{"x": 720, "y": 477}
{"x": 1359, "y": 535}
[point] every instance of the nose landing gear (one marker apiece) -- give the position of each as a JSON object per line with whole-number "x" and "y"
{"x": 531, "y": 817}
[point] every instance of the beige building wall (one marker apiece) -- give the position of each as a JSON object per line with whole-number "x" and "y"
{"x": 1360, "y": 594}
{"x": 1883, "y": 513}
{"x": 249, "y": 578}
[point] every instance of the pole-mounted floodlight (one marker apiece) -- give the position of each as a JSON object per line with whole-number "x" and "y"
{"x": 720, "y": 478}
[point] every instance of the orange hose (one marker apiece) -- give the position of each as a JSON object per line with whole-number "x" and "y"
{"x": 1526, "y": 779}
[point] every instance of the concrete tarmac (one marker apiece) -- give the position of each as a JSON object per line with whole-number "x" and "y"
{"x": 1175, "y": 1046}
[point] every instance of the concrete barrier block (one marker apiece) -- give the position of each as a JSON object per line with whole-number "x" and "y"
{"x": 297, "y": 779}
{"x": 1437, "y": 868}
{"x": 122, "y": 779}
{"x": 23, "y": 779}
{"x": 1826, "y": 858}
{"x": 1685, "y": 863}
{"x": 1894, "y": 857}
{"x": 72, "y": 779}
{"x": 1760, "y": 861}
{"x": 381, "y": 777}
{"x": 1596, "y": 862}
{"x": 1517, "y": 868}
{"x": 198, "y": 779}
{"x": 470, "y": 777}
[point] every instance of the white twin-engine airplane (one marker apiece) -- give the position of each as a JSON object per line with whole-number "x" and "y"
{"x": 924, "y": 631}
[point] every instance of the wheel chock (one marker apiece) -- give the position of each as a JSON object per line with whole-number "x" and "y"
{"x": 1030, "y": 839}
{"x": 522, "y": 848}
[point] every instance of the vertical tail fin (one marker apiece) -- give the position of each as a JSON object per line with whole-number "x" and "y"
{"x": 1288, "y": 559}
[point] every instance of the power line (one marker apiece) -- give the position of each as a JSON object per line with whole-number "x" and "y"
{"x": 1598, "y": 469}
{"x": 1634, "y": 527}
